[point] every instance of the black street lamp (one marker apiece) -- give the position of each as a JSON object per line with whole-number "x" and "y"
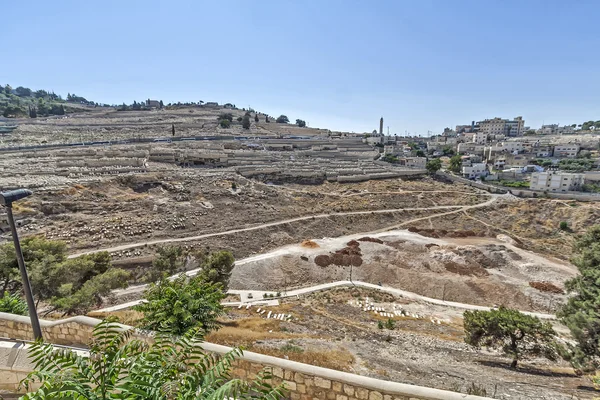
{"x": 6, "y": 199}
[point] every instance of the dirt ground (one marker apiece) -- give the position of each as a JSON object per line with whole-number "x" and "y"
{"x": 416, "y": 351}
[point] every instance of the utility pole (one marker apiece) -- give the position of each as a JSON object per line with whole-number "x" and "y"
{"x": 6, "y": 199}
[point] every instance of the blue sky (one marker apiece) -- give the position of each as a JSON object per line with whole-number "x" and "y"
{"x": 422, "y": 65}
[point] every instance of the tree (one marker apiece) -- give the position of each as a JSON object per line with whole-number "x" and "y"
{"x": 161, "y": 104}
{"x": 168, "y": 261}
{"x": 256, "y": 118}
{"x": 282, "y": 119}
{"x": 23, "y": 92}
{"x": 119, "y": 367}
{"x": 433, "y": 166}
{"x": 246, "y": 122}
{"x": 8, "y": 89}
{"x": 217, "y": 267}
{"x": 176, "y": 306}
{"x": 517, "y": 334}
{"x": 456, "y": 163}
{"x": 300, "y": 123}
{"x": 267, "y": 119}
{"x": 420, "y": 153}
{"x": 581, "y": 313}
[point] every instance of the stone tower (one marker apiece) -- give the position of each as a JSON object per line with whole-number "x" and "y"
{"x": 381, "y": 126}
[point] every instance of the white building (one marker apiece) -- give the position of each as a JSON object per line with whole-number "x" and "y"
{"x": 475, "y": 170}
{"x": 499, "y": 126}
{"x": 566, "y": 150}
{"x": 480, "y": 137}
{"x": 556, "y": 181}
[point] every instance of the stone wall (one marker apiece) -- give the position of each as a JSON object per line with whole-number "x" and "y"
{"x": 303, "y": 382}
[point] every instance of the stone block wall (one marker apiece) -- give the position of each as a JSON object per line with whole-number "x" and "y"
{"x": 302, "y": 381}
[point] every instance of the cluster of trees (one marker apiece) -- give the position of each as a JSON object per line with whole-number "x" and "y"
{"x": 68, "y": 285}
{"x": 519, "y": 335}
{"x": 22, "y": 102}
{"x": 586, "y": 126}
{"x": 143, "y": 105}
{"x": 576, "y": 165}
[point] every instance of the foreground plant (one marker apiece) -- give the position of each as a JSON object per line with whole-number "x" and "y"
{"x": 119, "y": 367}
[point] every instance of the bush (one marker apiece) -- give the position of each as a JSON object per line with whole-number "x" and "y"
{"x": 13, "y": 304}
{"x": 380, "y": 325}
{"x": 176, "y": 306}
{"x": 564, "y": 226}
{"x": 300, "y": 123}
{"x": 390, "y": 324}
{"x": 227, "y": 116}
{"x": 239, "y": 119}
{"x": 225, "y": 123}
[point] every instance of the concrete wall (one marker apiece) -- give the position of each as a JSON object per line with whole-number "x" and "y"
{"x": 304, "y": 382}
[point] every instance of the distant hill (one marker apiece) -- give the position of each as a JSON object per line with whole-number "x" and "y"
{"x": 23, "y": 102}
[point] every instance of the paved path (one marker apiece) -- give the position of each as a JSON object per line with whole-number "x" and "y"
{"x": 331, "y": 285}
{"x": 455, "y": 209}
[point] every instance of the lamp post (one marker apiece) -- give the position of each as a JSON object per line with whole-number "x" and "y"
{"x": 6, "y": 199}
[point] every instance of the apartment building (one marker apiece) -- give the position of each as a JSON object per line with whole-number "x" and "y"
{"x": 556, "y": 181}
{"x": 566, "y": 150}
{"x": 474, "y": 170}
{"x": 480, "y": 137}
{"x": 470, "y": 148}
{"x": 499, "y": 126}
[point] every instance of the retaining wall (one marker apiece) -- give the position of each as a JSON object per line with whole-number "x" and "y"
{"x": 303, "y": 381}
{"x": 579, "y": 196}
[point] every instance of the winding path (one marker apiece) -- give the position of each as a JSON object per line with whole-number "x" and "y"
{"x": 454, "y": 209}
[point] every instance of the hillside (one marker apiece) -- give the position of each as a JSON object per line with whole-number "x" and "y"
{"x": 23, "y": 102}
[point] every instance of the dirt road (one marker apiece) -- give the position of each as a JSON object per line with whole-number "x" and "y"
{"x": 455, "y": 209}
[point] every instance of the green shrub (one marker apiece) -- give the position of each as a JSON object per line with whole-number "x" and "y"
{"x": 13, "y": 303}
{"x": 564, "y": 226}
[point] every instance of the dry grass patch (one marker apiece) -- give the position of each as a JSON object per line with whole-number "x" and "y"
{"x": 340, "y": 359}
{"x": 244, "y": 332}
{"x": 127, "y": 317}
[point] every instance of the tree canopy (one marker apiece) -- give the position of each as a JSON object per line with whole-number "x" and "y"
{"x": 515, "y": 333}
{"x": 301, "y": 123}
{"x": 282, "y": 119}
{"x": 217, "y": 267}
{"x": 70, "y": 285}
{"x": 581, "y": 313}
{"x": 456, "y": 163}
{"x": 433, "y": 166}
{"x": 246, "y": 122}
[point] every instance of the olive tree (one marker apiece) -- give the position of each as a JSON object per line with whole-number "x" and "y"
{"x": 515, "y": 333}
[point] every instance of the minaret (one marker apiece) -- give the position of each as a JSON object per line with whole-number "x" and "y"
{"x": 381, "y": 126}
